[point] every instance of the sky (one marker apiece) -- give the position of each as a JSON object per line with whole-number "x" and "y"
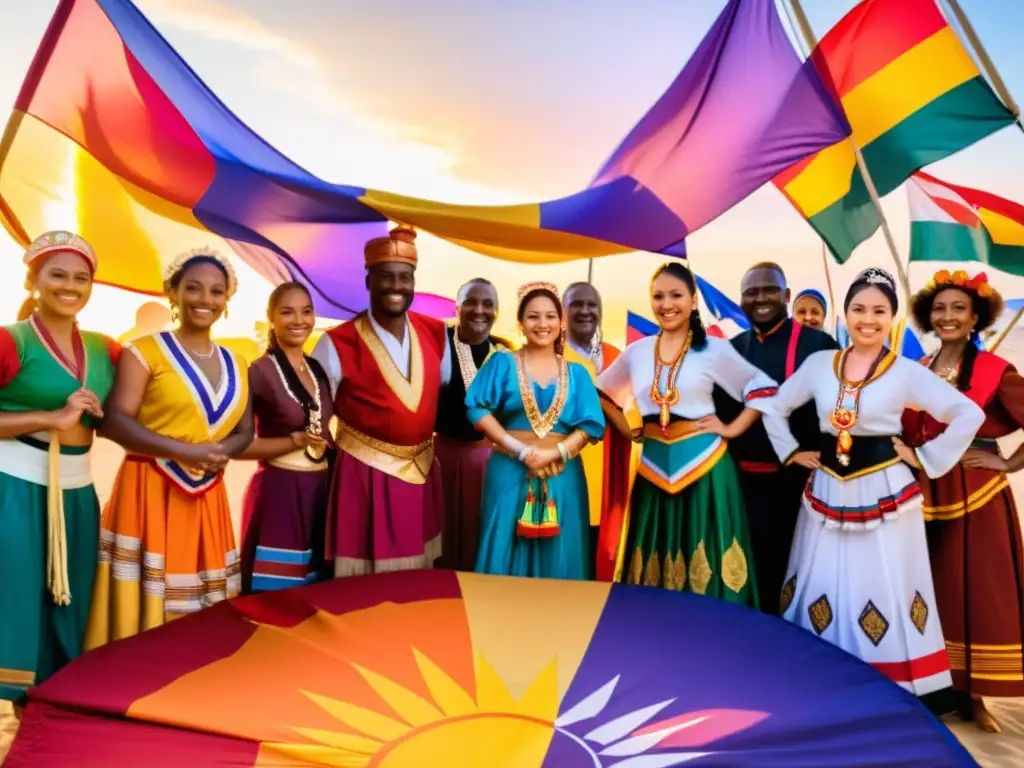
{"x": 489, "y": 103}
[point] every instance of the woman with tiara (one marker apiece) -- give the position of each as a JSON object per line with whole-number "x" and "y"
{"x": 180, "y": 407}
{"x": 974, "y": 536}
{"x": 686, "y": 527}
{"x": 53, "y": 379}
{"x": 285, "y": 505}
{"x": 859, "y": 574}
{"x": 539, "y": 411}
{"x": 461, "y": 451}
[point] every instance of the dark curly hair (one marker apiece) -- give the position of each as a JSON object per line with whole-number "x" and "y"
{"x": 987, "y": 309}
{"x": 536, "y": 293}
{"x": 682, "y": 272}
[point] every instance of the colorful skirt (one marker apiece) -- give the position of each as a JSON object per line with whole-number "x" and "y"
{"x": 978, "y": 566}
{"x": 163, "y": 554}
{"x": 695, "y": 540}
{"x": 859, "y": 576}
{"x": 377, "y": 522}
{"x": 283, "y": 520}
{"x": 37, "y": 636}
{"x": 504, "y": 552}
{"x": 462, "y": 476}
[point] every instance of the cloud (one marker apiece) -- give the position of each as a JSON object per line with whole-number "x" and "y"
{"x": 351, "y": 145}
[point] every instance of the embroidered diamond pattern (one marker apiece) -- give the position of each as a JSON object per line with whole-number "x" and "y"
{"x": 919, "y": 612}
{"x": 788, "y": 591}
{"x": 820, "y": 614}
{"x": 874, "y": 624}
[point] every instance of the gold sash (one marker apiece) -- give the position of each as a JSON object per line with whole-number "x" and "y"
{"x": 409, "y": 463}
{"x": 298, "y": 461}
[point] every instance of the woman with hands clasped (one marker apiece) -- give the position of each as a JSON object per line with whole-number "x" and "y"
{"x": 53, "y": 378}
{"x": 180, "y": 408}
{"x": 859, "y": 573}
{"x": 285, "y": 508}
{"x": 687, "y": 526}
{"x": 539, "y": 412}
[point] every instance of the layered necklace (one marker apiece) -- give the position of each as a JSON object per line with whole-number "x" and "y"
{"x": 312, "y": 405}
{"x": 844, "y": 416}
{"x": 665, "y": 400}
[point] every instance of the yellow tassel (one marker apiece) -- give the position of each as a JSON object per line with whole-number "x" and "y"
{"x": 57, "y": 545}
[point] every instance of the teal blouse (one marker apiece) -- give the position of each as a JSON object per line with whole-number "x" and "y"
{"x": 495, "y": 391}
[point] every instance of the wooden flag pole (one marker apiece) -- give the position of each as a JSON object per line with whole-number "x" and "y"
{"x": 1006, "y": 331}
{"x": 812, "y": 42}
{"x": 990, "y": 69}
{"x": 590, "y": 270}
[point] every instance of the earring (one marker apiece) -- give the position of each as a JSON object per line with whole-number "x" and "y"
{"x": 174, "y": 313}
{"x": 225, "y": 311}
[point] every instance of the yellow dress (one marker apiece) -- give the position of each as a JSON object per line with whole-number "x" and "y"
{"x": 167, "y": 546}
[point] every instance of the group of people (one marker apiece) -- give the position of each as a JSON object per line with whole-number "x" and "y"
{"x": 772, "y": 470}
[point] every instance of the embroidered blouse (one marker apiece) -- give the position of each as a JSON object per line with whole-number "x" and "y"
{"x": 496, "y": 391}
{"x": 898, "y": 383}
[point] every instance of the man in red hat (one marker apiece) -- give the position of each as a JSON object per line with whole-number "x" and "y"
{"x": 386, "y": 367}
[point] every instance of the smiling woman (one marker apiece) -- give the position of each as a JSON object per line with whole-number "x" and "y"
{"x": 180, "y": 409}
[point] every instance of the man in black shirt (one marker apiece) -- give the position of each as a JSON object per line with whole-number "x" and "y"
{"x": 777, "y": 345}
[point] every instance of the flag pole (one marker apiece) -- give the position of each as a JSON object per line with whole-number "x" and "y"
{"x": 1006, "y": 331}
{"x": 986, "y": 62}
{"x": 812, "y": 42}
{"x": 828, "y": 282}
{"x": 590, "y": 270}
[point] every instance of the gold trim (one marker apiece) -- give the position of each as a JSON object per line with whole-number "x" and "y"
{"x": 975, "y": 501}
{"x": 883, "y": 367}
{"x": 788, "y": 592}
{"x": 542, "y": 423}
{"x": 919, "y": 612}
{"x": 734, "y": 567}
{"x": 700, "y": 570}
{"x": 862, "y": 472}
{"x": 297, "y": 461}
{"x": 464, "y": 356}
{"x": 17, "y": 677}
{"x": 409, "y": 463}
{"x": 408, "y": 390}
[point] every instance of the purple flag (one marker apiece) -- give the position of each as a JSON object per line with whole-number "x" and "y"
{"x": 743, "y": 109}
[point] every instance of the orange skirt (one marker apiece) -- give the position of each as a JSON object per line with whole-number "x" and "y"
{"x": 163, "y": 554}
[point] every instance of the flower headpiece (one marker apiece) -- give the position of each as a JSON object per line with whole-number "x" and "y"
{"x": 203, "y": 252}
{"x": 537, "y": 285}
{"x": 56, "y": 242}
{"x": 960, "y": 279}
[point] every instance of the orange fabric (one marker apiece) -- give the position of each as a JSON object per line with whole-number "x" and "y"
{"x": 163, "y": 554}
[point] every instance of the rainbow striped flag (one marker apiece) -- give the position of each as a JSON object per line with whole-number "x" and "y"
{"x": 115, "y": 137}
{"x": 913, "y": 96}
{"x": 953, "y": 223}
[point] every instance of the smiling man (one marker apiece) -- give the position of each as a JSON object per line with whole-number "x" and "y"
{"x": 606, "y": 486}
{"x": 386, "y": 367}
{"x": 777, "y": 345}
{"x": 462, "y": 452}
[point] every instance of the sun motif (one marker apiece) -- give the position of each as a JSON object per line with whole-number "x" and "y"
{"x": 456, "y": 730}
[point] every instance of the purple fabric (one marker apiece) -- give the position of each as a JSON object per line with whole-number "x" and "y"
{"x": 380, "y": 520}
{"x": 462, "y": 477}
{"x": 743, "y": 109}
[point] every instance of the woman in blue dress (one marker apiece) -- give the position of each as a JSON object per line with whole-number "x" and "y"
{"x": 539, "y": 412}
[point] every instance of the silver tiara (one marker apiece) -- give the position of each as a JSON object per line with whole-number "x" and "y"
{"x": 876, "y": 276}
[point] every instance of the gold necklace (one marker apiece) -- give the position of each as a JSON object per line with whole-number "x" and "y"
{"x": 541, "y": 424}
{"x": 464, "y": 354}
{"x": 665, "y": 400}
{"x": 842, "y": 418}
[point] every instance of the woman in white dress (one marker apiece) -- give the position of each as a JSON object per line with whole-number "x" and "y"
{"x": 859, "y": 574}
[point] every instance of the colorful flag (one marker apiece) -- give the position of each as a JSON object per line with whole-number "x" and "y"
{"x": 953, "y": 223}
{"x": 638, "y": 327}
{"x": 437, "y": 668}
{"x": 115, "y": 137}
{"x": 913, "y": 96}
{"x": 720, "y": 305}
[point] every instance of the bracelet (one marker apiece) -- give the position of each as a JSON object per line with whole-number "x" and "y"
{"x": 516, "y": 447}
{"x": 564, "y": 452}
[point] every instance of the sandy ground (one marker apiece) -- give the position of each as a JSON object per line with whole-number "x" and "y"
{"x": 992, "y": 751}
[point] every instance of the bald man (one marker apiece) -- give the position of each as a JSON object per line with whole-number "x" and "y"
{"x": 773, "y": 493}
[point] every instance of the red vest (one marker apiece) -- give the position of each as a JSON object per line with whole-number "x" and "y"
{"x": 373, "y": 396}
{"x": 919, "y": 427}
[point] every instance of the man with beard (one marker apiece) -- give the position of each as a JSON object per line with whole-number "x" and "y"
{"x": 777, "y": 345}
{"x": 606, "y": 463}
{"x": 386, "y": 367}
{"x": 462, "y": 452}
